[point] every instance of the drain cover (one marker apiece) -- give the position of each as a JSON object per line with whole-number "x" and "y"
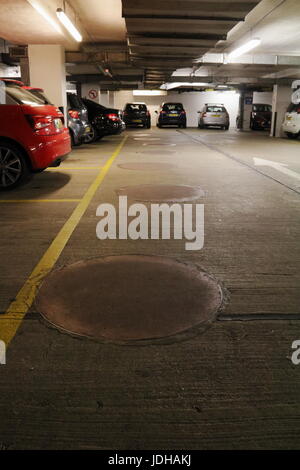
{"x": 146, "y": 166}
{"x": 154, "y": 152}
{"x": 161, "y": 192}
{"x": 128, "y": 298}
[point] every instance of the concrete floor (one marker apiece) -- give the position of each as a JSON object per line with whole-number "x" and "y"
{"x": 231, "y": 387}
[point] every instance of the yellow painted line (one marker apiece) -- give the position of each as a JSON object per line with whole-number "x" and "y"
{"x": 7, "y": 201}
{"x": 14, "y": 315}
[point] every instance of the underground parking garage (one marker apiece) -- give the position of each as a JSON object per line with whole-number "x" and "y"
{"x": 149, "y": 200}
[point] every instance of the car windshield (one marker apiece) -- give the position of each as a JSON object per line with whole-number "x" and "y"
{"x": 216, "y": 109}
{"x": 262, "y": 108}
{"x": 136, "y": 107}
{"x": 74, "y": 101}
{"x": 94, "y": 105}
{"x": 41, "y": 95}
{"x": 172, "y": 107}
{"x": 293, "y": 108}
{"x": 10, "y": 91}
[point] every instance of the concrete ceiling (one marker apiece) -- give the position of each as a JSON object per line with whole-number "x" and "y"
{"x": 142, "y": 43}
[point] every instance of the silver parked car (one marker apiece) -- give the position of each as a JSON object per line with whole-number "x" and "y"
{"x": 213, "y": 115}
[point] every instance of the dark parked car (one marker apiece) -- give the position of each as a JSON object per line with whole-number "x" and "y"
{"x": 32, "y": 135}
{"x": 171, "y": 114}
{"x": 103, "y": 121}
{"x": 78, "y": 122}
{"x": 261, "y": 116}
{"x": 137, "y": 114}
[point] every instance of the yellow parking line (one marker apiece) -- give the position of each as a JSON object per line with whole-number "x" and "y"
{"x": 6, "y": 201}
{"x": 12, "y": 319}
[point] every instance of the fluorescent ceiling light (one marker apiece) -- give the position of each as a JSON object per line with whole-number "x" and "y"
{"x": 148, "y": 92}
{"x": 65, "y": 20}
{"x": 42, "y": 11}
{"x": 170, "y": 86}
{"x": 243, "y": 49}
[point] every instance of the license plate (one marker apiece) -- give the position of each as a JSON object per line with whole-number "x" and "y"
{"x": 58, "y": 123}
{"x": 136, "y": 120}
{"x": 289, "y": 118}
{"x": 173, "y": 115}
{"x": 216, "y": 115}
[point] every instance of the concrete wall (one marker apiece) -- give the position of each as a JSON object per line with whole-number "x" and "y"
{"x": 192, "y": 102}
{"x": 262, "y": 97}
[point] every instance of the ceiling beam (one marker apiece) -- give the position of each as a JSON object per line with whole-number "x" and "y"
{"x": 185, "y": 17}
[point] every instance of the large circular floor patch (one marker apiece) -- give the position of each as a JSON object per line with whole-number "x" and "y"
{"x": 132, "y": 297}
{"x": 161, "y": 192}
{"x": 154, "y": 152}
{"x": 144, "y": 166}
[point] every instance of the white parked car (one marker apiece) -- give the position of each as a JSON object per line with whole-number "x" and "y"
{"x": 291, "y": 123}
{"x": 213, "y": 115}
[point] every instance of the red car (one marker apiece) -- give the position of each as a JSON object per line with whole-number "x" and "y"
{"x": 32, "y": 135}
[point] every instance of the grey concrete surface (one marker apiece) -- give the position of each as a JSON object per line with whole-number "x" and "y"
{"x": 232, "y": 386}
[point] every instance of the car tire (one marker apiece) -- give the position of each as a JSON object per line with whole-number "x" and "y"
{"x": 14, "y": 169}
{"x": 148, "y": 125}
{"x": 159, "y": 126}
{"x": 292, "y": 136}
{"x": 91, "y": 136}
{"x": 73, "y": 142}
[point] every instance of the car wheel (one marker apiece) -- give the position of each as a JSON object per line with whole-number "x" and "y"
{"x": 91, "y": 136}
{"x": 148, "y": 125}
{"x": 292, "y": 136}
{"x": 13, "y": 167}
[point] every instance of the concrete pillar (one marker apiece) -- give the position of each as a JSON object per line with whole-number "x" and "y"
{"x": 245, "y": 108}
{"x": 91, "y": 91}
{"x": 24, "y": 68}
{"x": 47, "y": 70}
{"x": 111, "y": 99}
{"x": 280, "y": 101}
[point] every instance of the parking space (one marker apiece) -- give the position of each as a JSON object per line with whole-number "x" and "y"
{"x": 208, "y": 388}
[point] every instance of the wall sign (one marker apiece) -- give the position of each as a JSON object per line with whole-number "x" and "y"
{"x": 93, "y": 94}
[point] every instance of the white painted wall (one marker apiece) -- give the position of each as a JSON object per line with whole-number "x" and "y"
{"x": 192, "y": 102}
{"x": 262, "y": 97}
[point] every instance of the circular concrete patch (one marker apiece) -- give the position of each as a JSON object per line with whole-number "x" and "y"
{"x": 161, "y": 192}
{"x": 144, "y": 166}
{"x": 134, "y": 297}
{"x": 154, "y": 152}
